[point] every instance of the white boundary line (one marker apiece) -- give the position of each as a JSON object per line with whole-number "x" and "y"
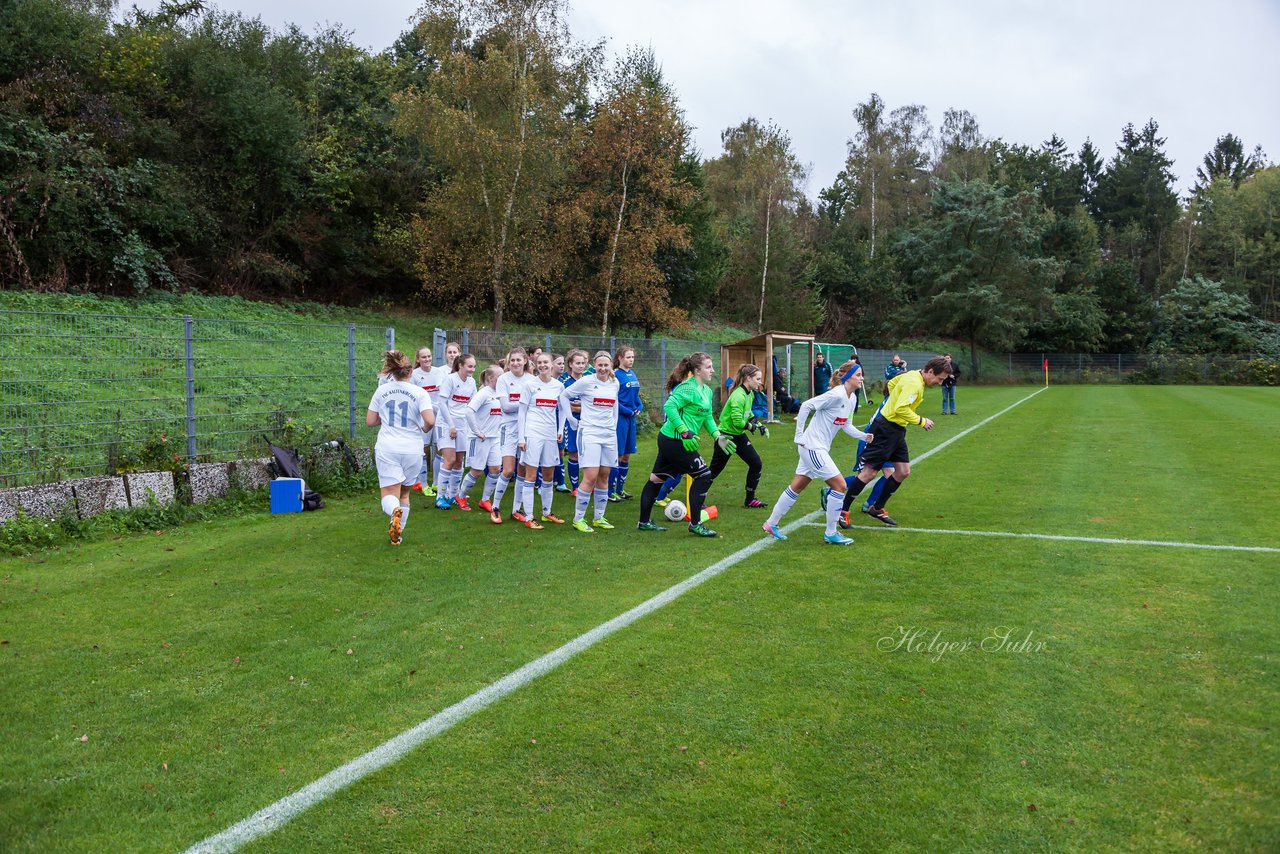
{"x": 1111, "y": 540}
{"x": 270, "y": 818}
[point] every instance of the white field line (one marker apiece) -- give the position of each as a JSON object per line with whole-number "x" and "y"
{"x": 269, "y": 818}
{"x": 1110, "y": 540}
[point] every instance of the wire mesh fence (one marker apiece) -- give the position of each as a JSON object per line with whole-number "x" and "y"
{"x": 85, "y": 395}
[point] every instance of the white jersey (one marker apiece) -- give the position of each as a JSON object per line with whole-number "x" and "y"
{"x": 430, "y": 382}
{"x": 540, "y": 416}
{"x": 511, "y": 392}
{"x": 831, "y": 412}
{"x": 455, "y": 394}
{"x": 598, "y": 419}
{"x": 484, "y": 413}
{"x": 400, "y": 405}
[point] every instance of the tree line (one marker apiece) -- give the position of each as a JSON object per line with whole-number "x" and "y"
{"x": 490, "y": 162}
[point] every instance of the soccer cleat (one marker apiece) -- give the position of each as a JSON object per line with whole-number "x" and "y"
{"x": 560, "y": 487}
{"x": 662, "y": 502}
{"x": 843, "y": 520}
{"x": 495, "y": 517}
{"x": 427, "y": 491}
{"x": 701, "y": 530}
{"x": 879, "y": 514}
{"x": 649, "y": 526}
{"x": 866, "y": 507}
{"x": 822, "y": 497}
{"x": 773, "y": 531}
{"x": 463, "y": 503}
{"x": 552, "y": 518}
{"x": 602, "y": 523}
{"x": 443, "y": 504}
{"x": 417, "y": 487}
{"x": 837, "y": 539}
{"x": 625, "y": 496}
{"x": 581, "y": 525}
{"x": 754, "y": 503}
{"x": 613, "y": 496}
{"x": 532, "y": 525}
{"x": 486, "y": 505}
{"x": 518, "y": 516}
{"x": 394, "y": 531}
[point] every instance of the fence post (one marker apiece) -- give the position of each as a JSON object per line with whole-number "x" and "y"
{"x": 188, "y": 346}
{"x": 1011, "y": 367}
{"x": 548, "y": 347}
{"x": 351, "y": 379}
{"x": 613, "y": 343}
{"x": 662, "y": 359}
{"x": 466, "y": 340}
{"x": 1080, "y": 367}
{"x": 1119, "y": 371}
{"x": 391, "y": 338}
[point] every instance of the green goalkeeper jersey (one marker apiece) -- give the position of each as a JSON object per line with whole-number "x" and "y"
{"x": 736, "y": 412}
{"x": 688, "y": 407}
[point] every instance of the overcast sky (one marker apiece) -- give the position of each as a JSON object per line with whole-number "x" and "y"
{"x": 1024, "y": 69}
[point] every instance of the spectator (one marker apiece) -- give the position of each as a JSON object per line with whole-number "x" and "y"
{"x": 821, "y": 374}
{"x": 949, "y": 387}
{"x": 895, "y": 367}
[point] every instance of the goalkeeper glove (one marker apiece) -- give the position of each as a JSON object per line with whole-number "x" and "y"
{"x": 758, "y": 426}
{"x": 690, "y": 440}
{"x": 725, "y": 443}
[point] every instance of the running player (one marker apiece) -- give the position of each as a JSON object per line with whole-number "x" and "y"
{"x": 511, "y": 387}
{"x": 455, "y": 393}
{"x": 541, "y": 429}
{"x": 401, "y": 411}
{"x": 429, "y": 379}
{"x": 629, "y": 408}
{"x": 484, "y": 451}
{"x": 906, "y": 393}
{"x": 597, "y": 430}
{"x": 736, "y": 420}
{"x": 830, "y": 413}
{"x": 688, "y": 410}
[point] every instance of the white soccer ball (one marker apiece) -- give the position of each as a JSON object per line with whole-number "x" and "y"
{"x": 676, "y": 511}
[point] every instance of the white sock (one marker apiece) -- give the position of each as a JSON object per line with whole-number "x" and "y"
{"x": 517, "y": 497}
{"x": 500, "y": 490}
{"x": 547, "y": 489}
{"x": 468, "y": 482}
{"x": 404, "y": 515}
{"x": 490, "y": 481}
{"x": 389, "y": 504}
{"x": 436, "y": 465}
{"x": 526, "y": 503}
{"x": 783, "y": 504}
{"x": 581, "y": 500}
{"x": 835, "y": 503}
{"x": 602, "y": 501}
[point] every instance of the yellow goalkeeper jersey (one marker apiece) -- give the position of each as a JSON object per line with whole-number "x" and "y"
{"x": 906, "y": 392}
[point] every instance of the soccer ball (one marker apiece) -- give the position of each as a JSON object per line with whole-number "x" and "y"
{"x": 675, "y": 510}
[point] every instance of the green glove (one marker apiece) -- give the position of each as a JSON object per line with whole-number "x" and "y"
{"x": 690, "y": 441}
{"x": 725, "y": 443}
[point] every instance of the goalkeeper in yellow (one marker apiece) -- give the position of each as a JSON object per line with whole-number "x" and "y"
{"x": 906, "y": 393}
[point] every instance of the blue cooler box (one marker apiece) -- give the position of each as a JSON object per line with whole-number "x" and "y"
{"x": 286, "y": 494}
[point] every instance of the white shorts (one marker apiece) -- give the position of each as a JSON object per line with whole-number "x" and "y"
{"x": 540, "y": 452}
{"x": 596, "y": 453}
{"x": 484, "y": 453}
{"x": 509, "y": 442}
{"x": 458, "y": 443}
{"x": 816, "y": 465}
{"x": 397, "y": 467}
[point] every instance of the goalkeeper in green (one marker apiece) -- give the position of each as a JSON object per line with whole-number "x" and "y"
{"x": 736, "y": 421}
{"x": 688, "y": 410}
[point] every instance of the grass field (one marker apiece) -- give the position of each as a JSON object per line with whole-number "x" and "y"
{"x": 156, "y": 690}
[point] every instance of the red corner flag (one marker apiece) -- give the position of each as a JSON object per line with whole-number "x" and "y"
{"x": 1046, "y": 371}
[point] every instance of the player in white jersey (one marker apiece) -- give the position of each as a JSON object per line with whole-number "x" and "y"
{"x": 817, "y": 423}
{"x": 510, "y": 391}
{"x": 597, "y": 426}
{"x": 576, "y": 360}
{"x": 429, "y": 379}
{"x": 484, "y": 454}
{"x": 455, "y": 393}
{"x": 401, "y": 411}
{"x": 541, "y": 428}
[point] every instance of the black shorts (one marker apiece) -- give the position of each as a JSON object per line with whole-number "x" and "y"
{"x": 674, "y": 461}
{"x": 888, "y": 446}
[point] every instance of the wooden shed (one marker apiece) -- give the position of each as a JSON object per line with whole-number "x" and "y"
{"x": 759, "y": 351}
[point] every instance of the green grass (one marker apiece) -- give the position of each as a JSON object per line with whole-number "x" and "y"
{"x": 760, "y": 711}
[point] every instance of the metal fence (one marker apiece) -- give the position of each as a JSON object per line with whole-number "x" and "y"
{"x": 94, "y": 394}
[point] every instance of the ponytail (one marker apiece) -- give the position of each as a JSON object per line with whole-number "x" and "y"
{"x": 685, "y": 368}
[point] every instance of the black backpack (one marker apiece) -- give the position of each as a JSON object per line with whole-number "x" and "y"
{"x": 285, "y": 462}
